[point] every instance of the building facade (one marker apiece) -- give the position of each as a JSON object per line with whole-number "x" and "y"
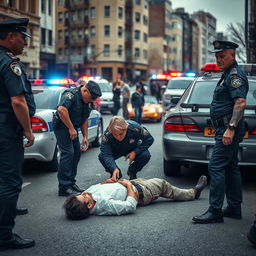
{"x": 29, "y": 9}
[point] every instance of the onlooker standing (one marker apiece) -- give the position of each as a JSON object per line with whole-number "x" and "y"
{"x": 126, "y": 93}
{"x": 16, "y": 107}
{"x": 116, "y": 97}
{"x": 138, "y": 103}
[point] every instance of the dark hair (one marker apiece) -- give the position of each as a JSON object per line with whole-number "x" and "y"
{"x": 74, "y": 209}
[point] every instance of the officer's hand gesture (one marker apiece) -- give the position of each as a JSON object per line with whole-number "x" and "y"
{"x": 131, "y": 156}
{"x": 115, "y": 175}
{"x": 228, "y": 137}
{"x": 30, "y": 138}
{"x": 72, "y": 133}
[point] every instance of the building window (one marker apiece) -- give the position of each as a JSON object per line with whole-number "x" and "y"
{"x": 49, "y": 37}
{"x": 146, "y": 4}
{"x": 145, "y": 37}
{"x": 137, "y": 17}
{"x": 43, "y": 6}
{"x": 80, "y": 34}
{"x": 137, "y": 52}
{"x": 120, "y": 50}
{"x": 43, "y": 36}
{"x": 79, "y": 15}
{"x": 10, "y": 3}
{"x": 93, "y": 51}
{"x": 138, "y": 2}
{"x": 137, "y": 34}
{"x": 60, "y": 51}
{"x": 93, "y": 31}
{"x": 145, "y": 20}
{"x": 60, "y": 35}
{"x": 120, "y": 31}
{"x": 106, "y": 30}
{"x": 60, "y": 17}
{"x": 93, "y": 13}
{"x": 60, "y": 2}
{"x": 120, "y": 12}
{"x": 50, "y": 7}
{"x": 107, "y": 11}
{"x": 73, "y": 17}
{"x": 106, "y": 49}
{"x": 32, "y": 6}
{"x": 145, "y": 54}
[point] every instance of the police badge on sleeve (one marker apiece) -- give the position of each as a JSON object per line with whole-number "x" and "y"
{"x": 16, "y": 69}
{"x": 236, "y": 81}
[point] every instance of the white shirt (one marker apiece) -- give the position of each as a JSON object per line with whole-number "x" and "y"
{"x": 111, "y": 199}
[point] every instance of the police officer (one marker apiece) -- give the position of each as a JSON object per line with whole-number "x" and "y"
{"x": 125, "y": 138}
{"x": 72, "y": 113}
{"x": 226, "y": 112}
{"x": 16, "y": 107}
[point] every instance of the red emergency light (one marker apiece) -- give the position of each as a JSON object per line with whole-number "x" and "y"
{"x": 210, "y": 67}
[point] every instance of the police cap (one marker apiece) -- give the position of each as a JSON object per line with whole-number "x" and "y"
{"x": 94, "y": 89}
{"x": 15, "y": 25}
{"x": 220, "y": 46}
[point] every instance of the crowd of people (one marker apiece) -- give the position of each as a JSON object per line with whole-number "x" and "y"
{"x": 122, "y": 138}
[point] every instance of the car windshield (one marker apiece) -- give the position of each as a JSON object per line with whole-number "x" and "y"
{"x": 158, "y": 81}
{"x": 202, "y": 92}
{"x": 178, "y": 84}
{"x": 105, "y": 87}
{"x": 46, "y": 98}
{"x": 150, "y": 100}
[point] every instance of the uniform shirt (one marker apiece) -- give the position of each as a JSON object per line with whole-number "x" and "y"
{"x": 111, "y": 199}
{"x": 78, "y": 110}
{"x": 13, "y": 82}
{"x": 233, "y": 84}
{"x": 137, "y": 139}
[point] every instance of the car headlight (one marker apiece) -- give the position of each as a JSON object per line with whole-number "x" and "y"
{"x": 153, "y": 110}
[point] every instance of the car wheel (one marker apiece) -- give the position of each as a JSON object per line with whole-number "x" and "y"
{"x": 98, "y": 139}
{"x": 54, "y": 164}
{"x": 171, "y": 168}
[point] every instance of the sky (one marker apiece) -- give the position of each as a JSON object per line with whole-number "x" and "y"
{"x": 225, "y": 11}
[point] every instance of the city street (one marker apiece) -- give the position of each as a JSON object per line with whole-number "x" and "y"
{"x": 163, "y": 228}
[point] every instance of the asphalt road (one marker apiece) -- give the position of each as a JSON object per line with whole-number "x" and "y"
{"x": 163, "y": 228}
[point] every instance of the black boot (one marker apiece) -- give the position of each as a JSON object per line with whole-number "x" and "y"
{"x": 251, "y": 235}
{"x": 21, "y": 211}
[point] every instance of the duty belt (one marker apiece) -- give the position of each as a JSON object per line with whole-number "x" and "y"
{"x": 220, "y": 122}
{"x": 139, "y": 189}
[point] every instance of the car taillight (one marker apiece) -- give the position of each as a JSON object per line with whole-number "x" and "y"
{"x": 180, "y": 124}
{"x": 38, "y": 125}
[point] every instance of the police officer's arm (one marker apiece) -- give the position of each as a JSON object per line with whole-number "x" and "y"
{"x": 84, "y": 129}
{"x": 146, "y": 138}
{"x": 238, "y": 111}
{"x": 20, "y": 108}
{"x": 64, "y": 116}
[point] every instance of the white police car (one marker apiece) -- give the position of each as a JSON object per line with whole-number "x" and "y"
{"x": 47, "y": 95}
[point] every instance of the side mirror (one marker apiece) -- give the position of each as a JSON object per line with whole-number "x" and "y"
{"x": 163, "y": 87}
{"x": 175, "y": 100}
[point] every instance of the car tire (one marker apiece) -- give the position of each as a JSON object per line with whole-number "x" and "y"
{"x": 54, "y": 164}
{"x": 98, "y": 139}
{"x": 171, "y": 168}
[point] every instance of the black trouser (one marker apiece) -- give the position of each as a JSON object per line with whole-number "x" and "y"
{"x": 11, "y": 159}
{"x": 125, "y": 109}
{"x": 116, "y": 108}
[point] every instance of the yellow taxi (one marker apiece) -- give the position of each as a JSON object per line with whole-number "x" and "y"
{"x": 152, "y": 110}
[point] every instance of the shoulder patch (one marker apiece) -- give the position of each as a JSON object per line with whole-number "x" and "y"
{"x": 233, "y": 71}
{"x": 16, "y": 69}
{"x": 236, "y": 81}
{"x": 69, "y": 95}
{"x": 144, "y": 131}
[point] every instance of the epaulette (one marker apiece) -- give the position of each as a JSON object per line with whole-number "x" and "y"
{"x": 233, "y": 71}
{"x": 10, "y": 54}
{"x": 133, "y": 128}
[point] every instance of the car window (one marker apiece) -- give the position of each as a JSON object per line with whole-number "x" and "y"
{"x": 105, "y": 87}
{"x": 150, "y": 100}
{"x": 178, "y": 84}
{"x": 46, "y": 98}
{"x": 202, "y": 92}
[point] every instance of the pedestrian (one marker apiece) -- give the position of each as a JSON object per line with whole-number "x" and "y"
{"x": 72, "y": 113}
{"x": 122, "y": 197}
{"x": 125, "y": 138}
{"x": 226, "y": 112}
{"x": 16, "y": 107}
{"x": 138, "y": 102}
{"x": 116, "y": 97}
{"x": 251, "y": 235}
{"x": 126, "y": 93}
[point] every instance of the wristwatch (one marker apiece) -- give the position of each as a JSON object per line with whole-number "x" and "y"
{"x": 231, "y": 127}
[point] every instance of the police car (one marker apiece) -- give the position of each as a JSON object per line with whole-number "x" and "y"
{"x": 188, "y": 136}
{"x": 47, "y": 94}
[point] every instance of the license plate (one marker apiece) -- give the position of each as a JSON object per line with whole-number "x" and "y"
{"x": 210, "y": 132}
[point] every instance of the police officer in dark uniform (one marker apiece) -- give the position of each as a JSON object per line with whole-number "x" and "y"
{"x": 125, "y": 138}
{"x": 226, "y": 112}
{"x": 72, "y": 113}
{"x": 16, "y": 107}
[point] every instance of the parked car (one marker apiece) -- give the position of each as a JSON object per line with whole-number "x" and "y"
{"x": 187, "y": 134}
{"x": 45, "y": 148}
{"x": 175, "y": 88}
{"x": 152, "y": 110}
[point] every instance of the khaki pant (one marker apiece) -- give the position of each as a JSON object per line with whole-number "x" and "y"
{"x": 154, "y": 188}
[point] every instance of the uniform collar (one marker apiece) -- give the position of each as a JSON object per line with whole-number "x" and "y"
{"x": 234, "y": 65}
{"x": 4, "y": 48}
